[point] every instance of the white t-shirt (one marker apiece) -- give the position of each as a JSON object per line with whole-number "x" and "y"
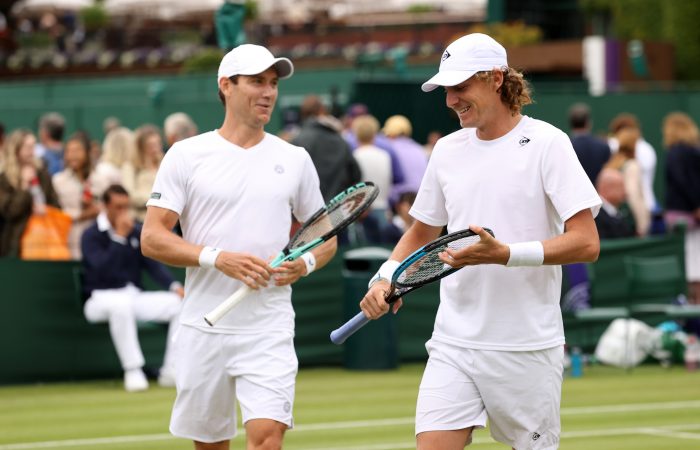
{"x": 375, "y": 165}
{"x": 523, "y": 186}
{"x": 239, "y": 200}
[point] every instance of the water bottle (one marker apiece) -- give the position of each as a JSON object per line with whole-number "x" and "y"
{"x": 576, "y": 363}
{"x": 691, "y": 355}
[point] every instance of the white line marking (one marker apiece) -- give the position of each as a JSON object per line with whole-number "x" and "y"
{"x": 668, "y": 431}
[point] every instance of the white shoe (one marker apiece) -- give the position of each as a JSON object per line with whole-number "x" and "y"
{"x": 135, "y": 380}
{"x": 166, "y": 377}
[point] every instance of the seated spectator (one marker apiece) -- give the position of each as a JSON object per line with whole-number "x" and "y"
{"x": 410, "y": 153}
{"x": 74, "y": 190}
{"x": 624, "y": 161}
{"x": 112, "y": 264}
{"x": 50, "y": 147}
{"x": 118, "y": 146}
{"x": 25, "y": 189}
{"x": 375, "y": 165}
{"x": 139, "y": 175}
{"x": 178, "y": 126}
{"x": 401, "y": 219}
{"x": 611, "y": 221}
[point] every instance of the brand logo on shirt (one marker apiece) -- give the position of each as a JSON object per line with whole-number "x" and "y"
{"x": 155, "y": 195}
{"x": 535, "y": 436}
{"x": 279, "y": 169}
{"x": 446, "y": 55}
{"x": 523, "y": 140}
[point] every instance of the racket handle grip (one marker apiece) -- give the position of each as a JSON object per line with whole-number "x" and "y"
{"x": 349, "y": 328}
{"x": 227, "y": 305}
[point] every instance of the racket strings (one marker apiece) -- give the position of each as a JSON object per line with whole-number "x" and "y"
{"x": 338, "y": 214}
{"x": 429, "y": 266}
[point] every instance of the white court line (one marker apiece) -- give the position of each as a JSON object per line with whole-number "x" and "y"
{"x": 402, "y": 421}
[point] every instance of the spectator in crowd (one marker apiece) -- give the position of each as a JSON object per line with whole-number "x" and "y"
{"x": 25, "y": 188}
{"x": 50, "y": 147}
{"x": 138, "y": 176}
{"x": 591, "y": 151}
{"x": 644, "y": 154}
{"x": 409, "y": 152}
{"x": 112, "y": 268}
{"x": 375, "y": 165}
{"x": 401, "y": 220}
{"x": 178, "y": 126}
{"x": 611, "y": 221}
{"x": 73, "y": 186}
{"x": 117, "y": 148}
{"x": 320, "y": 136}
{"x": 624, "y": 160}
{"x": 682, "y": 141}
{"x": 2, "y": 139}
{"x": 380, "y": 141}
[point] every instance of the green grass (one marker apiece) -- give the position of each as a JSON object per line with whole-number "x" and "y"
{"x": 647, "y": 408}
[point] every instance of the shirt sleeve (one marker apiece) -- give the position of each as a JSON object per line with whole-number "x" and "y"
{"x": 429, "y": 206}
{"x": 169, "y": 189}
{"x": 565, "y": 182}
{"x": 308, "y": 198}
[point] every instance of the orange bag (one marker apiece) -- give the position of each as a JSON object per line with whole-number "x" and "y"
{"x": 46, "y": 236}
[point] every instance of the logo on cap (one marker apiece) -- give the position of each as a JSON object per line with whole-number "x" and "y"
{"x": 446, "y": 55}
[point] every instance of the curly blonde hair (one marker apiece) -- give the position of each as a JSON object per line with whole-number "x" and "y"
{"x": 515, "y": 91}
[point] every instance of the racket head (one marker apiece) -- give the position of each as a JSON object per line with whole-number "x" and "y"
{"x": 424, "y": 265}
{"x": 341, "y": 211}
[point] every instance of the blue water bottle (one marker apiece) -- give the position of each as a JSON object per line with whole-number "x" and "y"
{"x": 576, "y": 363}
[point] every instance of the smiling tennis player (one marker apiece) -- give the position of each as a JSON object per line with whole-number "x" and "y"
{"x": 234, "y": 191}
{"x": 497, "y": 347}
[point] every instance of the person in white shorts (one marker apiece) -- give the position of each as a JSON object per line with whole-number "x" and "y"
{"x": 496, "y": 351}
{"x": 112, "y": 286}
{"x": 234, "y": 191}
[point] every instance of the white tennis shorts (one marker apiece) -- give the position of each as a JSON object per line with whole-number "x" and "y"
{"x": 214, "y": 369}
{"x": 519, "y": 393}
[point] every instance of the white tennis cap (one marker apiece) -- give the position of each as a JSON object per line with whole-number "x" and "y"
{"x": 466, "y": 56}
{"x": 249, "y": 59}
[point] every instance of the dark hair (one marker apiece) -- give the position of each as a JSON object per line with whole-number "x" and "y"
{"x": 311, "y": 106}
{"x": 82, "y": 138}
{"x": 54, "y": 124}
{"x": 579, "y": 116}
{"x": 114, "y": 189}
{"x": 234, "y": 80}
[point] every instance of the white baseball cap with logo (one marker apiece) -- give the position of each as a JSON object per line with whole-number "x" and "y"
{"x": 466, "y": 56}
{"x": 250, "y": 59}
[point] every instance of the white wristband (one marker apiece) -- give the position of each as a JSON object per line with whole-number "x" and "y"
{"x": 385, "y": 272}
{"x": 526, "y": 254}
{"x": 310, "y": 261}
{"x": 207, "y": 257}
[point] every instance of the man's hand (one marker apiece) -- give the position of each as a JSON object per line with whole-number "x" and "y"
{"x": 374, "y": 303}
{"x": 487, "y": 251}
{"x": 289, "y": 272}
{"x": 249, "y": 269}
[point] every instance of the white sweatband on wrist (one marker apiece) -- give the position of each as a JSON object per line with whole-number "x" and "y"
{"x": 526, "y": 254}
{"x": 310, "y": 261}
{"x": 207, "y": 257}
{"x": 385, "y": 272}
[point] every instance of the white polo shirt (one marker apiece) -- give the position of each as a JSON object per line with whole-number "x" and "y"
{"x": 523, "y": 186}
{"x": 239, "y": 200}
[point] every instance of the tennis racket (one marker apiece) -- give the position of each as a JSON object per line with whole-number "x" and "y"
{"x": 420, "y": 268}
{"x": 328, "y": 221}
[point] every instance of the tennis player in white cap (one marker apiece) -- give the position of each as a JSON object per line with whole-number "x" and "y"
{"x": 496, "y": 351}
{"x": 234, "y": 191}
